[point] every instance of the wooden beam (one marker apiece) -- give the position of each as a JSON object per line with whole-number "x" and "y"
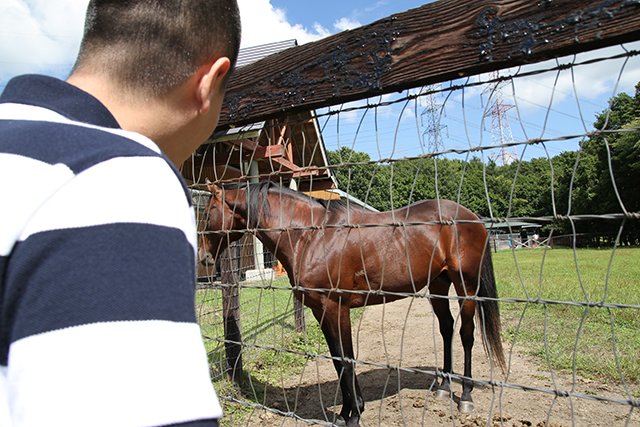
{"x": 437, "y": 42}
{"x": 287, "y": 167}
{"x": 265, "y": 152}
{"x": 244, "y": 143}
{"x": 313, "y": 171}
{"x": 317, "y": 189}
{"x": 281, "y": 163}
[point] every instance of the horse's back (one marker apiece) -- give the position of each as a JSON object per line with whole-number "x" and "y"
{"x": 439, "y": 209}
{"x": 433, "y": 211}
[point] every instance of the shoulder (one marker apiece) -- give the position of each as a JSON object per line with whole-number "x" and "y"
{"x": 92, "y": 174}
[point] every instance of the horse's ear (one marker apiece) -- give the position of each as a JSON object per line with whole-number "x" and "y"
{"x": 214, "y": 189}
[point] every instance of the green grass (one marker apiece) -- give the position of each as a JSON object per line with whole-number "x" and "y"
{"x": 566, "y": 336}
{"x": 267, "y": 320}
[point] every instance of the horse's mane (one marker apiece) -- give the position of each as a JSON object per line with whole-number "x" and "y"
{"x": 258, "y": 203}
{"x": 334, "y": 205}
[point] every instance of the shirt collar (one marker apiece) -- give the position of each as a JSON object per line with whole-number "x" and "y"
{"x": 58, "y": 96}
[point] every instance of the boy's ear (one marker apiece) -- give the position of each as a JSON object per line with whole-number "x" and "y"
{"x": 211, "y": 78}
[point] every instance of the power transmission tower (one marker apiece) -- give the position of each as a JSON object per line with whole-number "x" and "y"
{"x": 500, "y": 129}
{"x": 431, "y": 114}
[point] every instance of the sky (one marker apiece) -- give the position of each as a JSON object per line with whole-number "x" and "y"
{"x": 42, "y": 36}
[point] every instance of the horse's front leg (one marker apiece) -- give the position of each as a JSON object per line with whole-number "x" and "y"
{"x": 336, "y": 326}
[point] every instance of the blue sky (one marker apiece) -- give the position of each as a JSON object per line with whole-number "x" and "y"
{"x": 336, "y": 15}
{"x": 550, "y": 105}
{"x": 42, "y": 36}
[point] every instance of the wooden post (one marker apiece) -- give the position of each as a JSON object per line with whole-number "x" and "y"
{"x": 298, "y": 307}
{"x": 298, "y": 310}
{"x": 229, "y": 277}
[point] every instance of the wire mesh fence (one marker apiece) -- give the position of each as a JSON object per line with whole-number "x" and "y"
{"x": 546, "y": 154}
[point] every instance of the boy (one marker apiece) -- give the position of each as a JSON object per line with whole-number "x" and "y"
{"x": 98, "y": 241}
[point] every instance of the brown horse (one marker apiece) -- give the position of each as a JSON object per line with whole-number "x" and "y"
{"x": 339, "y": 255}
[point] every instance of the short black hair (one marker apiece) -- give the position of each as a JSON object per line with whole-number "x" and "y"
{"x": 154, "y": 45}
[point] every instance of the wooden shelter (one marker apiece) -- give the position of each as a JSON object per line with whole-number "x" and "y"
{"x": 288, "y": 149}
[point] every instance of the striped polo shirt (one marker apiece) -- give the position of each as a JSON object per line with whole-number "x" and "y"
{"x": 97, "y": 270}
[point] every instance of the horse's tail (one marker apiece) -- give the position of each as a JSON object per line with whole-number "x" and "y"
{"x": 488, "y": 312}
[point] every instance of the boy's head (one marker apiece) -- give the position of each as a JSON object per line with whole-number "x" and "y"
{"x": 152, "y": 46}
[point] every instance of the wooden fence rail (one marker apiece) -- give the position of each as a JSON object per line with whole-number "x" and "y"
{"x": 437, "y": 42}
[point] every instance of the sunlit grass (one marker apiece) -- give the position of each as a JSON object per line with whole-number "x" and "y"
{"x": 597, "y": 341}
{"x": 272, "y": 351}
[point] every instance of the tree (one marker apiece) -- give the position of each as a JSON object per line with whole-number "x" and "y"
{"x": 612, "y": 166}
{"x": 363, "y": 180}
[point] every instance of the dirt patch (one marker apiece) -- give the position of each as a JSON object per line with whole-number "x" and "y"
{"x": 402, "y": 334}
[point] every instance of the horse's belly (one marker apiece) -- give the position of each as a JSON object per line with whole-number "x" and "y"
{"x": 376, "y": 289}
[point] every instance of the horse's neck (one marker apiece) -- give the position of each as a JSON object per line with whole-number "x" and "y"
{"x": 286, "y": 222}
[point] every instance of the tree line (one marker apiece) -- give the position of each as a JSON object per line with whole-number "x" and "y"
{"x": 600, "y": 178}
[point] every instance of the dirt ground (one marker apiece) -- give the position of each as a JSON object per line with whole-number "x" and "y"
{"x": 402, "y": 334}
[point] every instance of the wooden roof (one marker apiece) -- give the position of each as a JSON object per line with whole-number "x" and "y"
{"x": 252, "y": 54}
{"x": 282, "y": 149}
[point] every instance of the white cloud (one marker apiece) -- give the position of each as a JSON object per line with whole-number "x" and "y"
{"x": 590, "y": 82}
{"x": 43, "y": 36}
{"x": 346, "y": 24}
{"x": 263, "y": 23}
{"x": 377, "y": 5}
{"x": 39, "y": 35}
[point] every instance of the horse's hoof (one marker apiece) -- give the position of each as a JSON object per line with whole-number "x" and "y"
{"x": 442, "y": 395}
{"x": 340, "y": 422}
{"x": 465, "y": 407}
{"x": 354, "y": 422}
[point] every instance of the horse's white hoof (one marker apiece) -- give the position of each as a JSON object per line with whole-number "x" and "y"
{"x": 442, "y": 395}
{"x": 465, "y": 407}
{"x": 340, "y": 422}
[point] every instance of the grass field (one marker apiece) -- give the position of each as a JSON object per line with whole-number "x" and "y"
{"x": 268, "y": 326}
{"x": 602, "y": 343}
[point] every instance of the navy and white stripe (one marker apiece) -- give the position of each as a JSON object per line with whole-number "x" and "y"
{"x": 97, "y": 270}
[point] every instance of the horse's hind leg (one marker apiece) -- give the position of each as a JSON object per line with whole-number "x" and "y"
{"x": 336, "y": 327}
{"x": 467, "y": 311}
{"x": 440, "y": 286}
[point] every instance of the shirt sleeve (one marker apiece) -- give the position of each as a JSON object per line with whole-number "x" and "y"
{"x": 99, "y": 292}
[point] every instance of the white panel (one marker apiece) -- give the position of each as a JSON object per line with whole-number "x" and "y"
{"x": 5, "y": 418}
{"x": 124, "y": 189}
{"x": 112, "y": 374}
{"x": 27, "y": 184}
{"x": 31, "y": 113}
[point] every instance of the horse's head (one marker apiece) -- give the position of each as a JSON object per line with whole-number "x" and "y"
{"x": 222, "y": 215}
